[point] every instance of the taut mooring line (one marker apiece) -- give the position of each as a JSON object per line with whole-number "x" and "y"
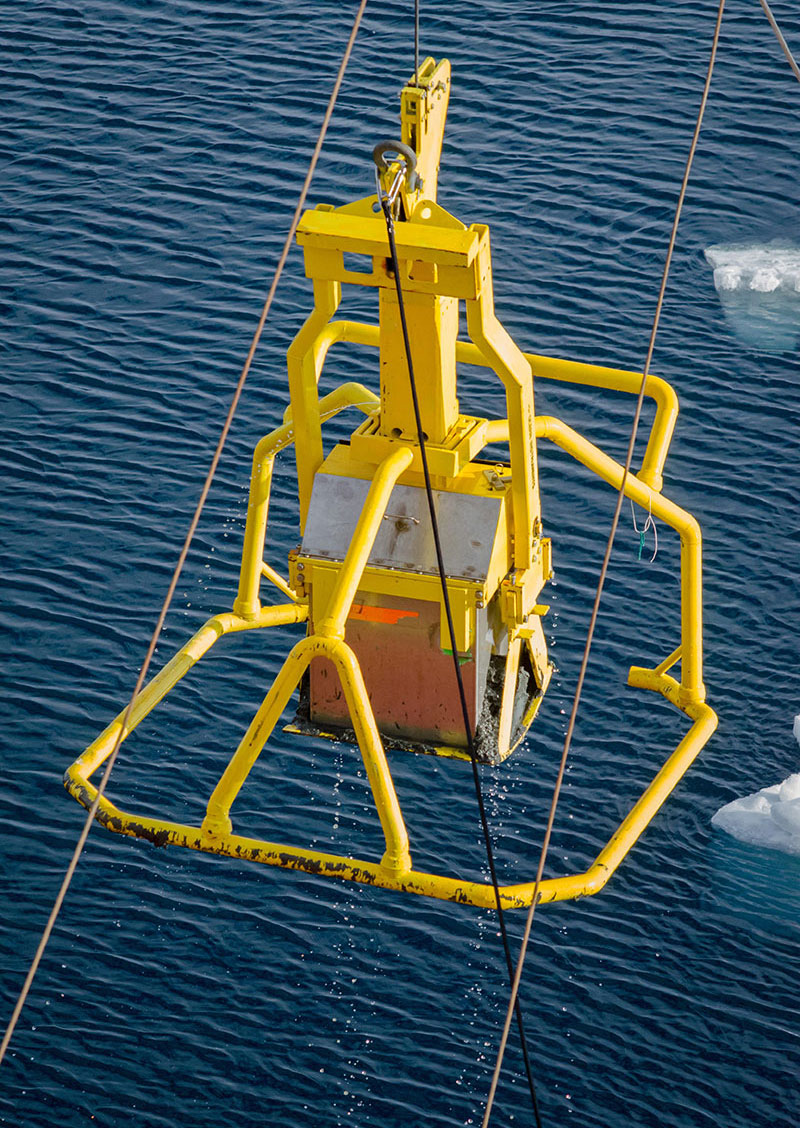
{"x": 779, "y": 35}
{"x": 603, "y": 571}
{"x": 187, "y": 542}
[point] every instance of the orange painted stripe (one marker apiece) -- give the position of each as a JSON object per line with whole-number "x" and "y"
{"x": 390, "y": 615}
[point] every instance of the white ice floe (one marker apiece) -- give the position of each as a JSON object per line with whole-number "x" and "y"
{"x": 770, "y": 818}
{"x": 762, "y": 267}
{"x": 759, "y": 289}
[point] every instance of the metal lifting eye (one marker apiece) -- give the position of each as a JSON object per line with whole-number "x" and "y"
{"x": 385, "y": 154}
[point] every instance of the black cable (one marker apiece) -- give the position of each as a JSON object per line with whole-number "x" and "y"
{"x": 416, "y": 42}
{"x": 386, "y": 205}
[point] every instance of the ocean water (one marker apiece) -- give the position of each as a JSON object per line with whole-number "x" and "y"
{"x": 151, "y": 155}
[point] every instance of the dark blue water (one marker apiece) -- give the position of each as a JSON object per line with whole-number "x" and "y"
{"x": 151, "y": 156}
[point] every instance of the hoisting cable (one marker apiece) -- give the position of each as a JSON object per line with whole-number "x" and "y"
{"x": 189, "y": 536}
{"x": 602, "y": 576}
{"x": 386, "y": 203}
{"x": 784, "y": 45}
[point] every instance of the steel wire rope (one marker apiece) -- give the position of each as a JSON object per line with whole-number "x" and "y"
{"x": 779, "y": 34}
{"x": 386, "y": 204}
{"x": 189, "y": 536}
{"x": 603, "y": 572}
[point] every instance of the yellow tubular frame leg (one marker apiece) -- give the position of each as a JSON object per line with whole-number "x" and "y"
{"x": 304, "y": 364}
{"x": 691, "y": 690}
{"x": 247, "y": 603}
{"x": 502, "y": 355}
{"x": 327, "y": 642}
{"x": 77, "y": 776}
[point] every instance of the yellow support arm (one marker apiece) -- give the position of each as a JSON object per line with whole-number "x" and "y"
{"x": 549, "y": 368}
{"x": 423, "y": 111}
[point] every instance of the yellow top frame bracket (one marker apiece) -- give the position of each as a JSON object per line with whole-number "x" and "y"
{"x": 423, "y": 112}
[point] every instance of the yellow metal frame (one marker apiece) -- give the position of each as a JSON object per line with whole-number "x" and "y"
{"x": 543, "y": 368}
{"x": 443, "y": 262}
{"x": 395, "y": 871}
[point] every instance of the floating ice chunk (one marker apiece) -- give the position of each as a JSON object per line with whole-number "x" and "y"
{"x": 766, "y": 818}
{"x": 790, "y": 789}
{"x": 762, "y": 267}
{"x": 759, "y": 289}
{"x": 770, "y": 817}
{"x": 787, "y": 815}
{"x": 727, "y": 278}
{"x": 765, "y": 280}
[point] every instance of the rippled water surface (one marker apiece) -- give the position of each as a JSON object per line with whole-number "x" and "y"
{"x": 152, "y": 154}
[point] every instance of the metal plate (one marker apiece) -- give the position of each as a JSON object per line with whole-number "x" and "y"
{"x": 391, "y": 633}
{"x": 467, "y": 527}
